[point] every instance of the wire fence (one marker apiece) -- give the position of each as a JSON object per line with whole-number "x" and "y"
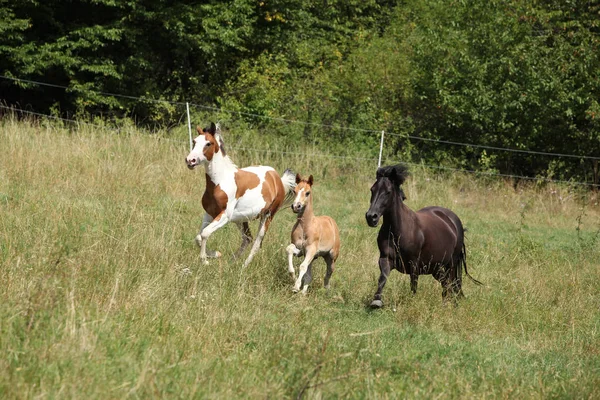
{"x": 330, "y": 156}
{"x": 315, "y": 155}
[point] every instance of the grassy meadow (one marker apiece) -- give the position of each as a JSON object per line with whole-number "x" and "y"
{"x": 102, "y": 293}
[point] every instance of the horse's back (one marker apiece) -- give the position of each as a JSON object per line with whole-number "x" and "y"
{"x": 445, "y": 215}
{"x": 247, "y": 190}
{"x": 443, "y": 232}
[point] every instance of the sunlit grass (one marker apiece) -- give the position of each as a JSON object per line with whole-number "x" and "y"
{"x": 103, "y": 293}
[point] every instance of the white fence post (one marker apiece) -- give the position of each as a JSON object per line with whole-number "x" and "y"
{"x": 380, "y": 150}
{"x": 187, "y": 106}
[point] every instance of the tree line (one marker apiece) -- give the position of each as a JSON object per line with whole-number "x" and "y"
{"x": 514, "y": 74}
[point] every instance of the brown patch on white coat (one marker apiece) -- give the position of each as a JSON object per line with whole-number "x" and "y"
{"x": 233, "y": 194}
{"x": 312, "y": 236}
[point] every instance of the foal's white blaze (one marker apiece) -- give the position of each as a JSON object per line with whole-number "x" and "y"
{"x": 298, "y": 203}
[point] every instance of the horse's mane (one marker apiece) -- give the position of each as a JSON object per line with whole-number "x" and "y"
{"x": 396, "y": 173}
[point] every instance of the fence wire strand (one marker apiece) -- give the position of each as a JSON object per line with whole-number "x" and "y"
{"x": 350, "y": 158}
{"x": 306, "y": 123}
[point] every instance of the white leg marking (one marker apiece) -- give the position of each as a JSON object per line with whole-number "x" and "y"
{"x": 292, "y": 251}
{"x": 205, "y": 234}
{"x": 256, "y": 246}
{"x": 310, "y": 255}
{"x": 199, "y": 241}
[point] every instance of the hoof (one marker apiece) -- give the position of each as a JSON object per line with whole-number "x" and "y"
{"x": 376, "y": 304}
{"x": 213, "y": 254}
{"x": 295, "y": 289}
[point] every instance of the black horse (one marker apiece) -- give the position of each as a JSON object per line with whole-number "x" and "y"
{"x": 429, "y": 241}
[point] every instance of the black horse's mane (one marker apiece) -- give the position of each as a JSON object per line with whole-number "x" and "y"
{"x": 396, "y": 173}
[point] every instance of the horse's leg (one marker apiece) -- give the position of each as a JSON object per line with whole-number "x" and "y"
{"x": 330, "y": 267}
{"x": 384, "y": 267}
{"x": 310, "y": 255}
{"x": 263, "y": 226}
{"x": 441, "y": 275}
{"x": 414, "y": 280}
{"x": 456, "y": 277}
{"x": 307, "y": 279}
{"x": 209, "y": 253}
{"x": 216, "y": 223}
{"x": 246, "y": 238}
{"x": 292, "y": 251}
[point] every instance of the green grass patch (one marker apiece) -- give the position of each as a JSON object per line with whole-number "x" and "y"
{"x": 103, "y": 294}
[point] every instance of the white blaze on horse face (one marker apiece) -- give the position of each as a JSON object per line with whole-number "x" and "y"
{"x": 300, "y": 201}
{"x": 197, "y": 156}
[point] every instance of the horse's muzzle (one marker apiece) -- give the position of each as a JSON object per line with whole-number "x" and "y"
{"x": 191, "y": 164}
{"x": 297, "y": 207}
{"x": 372, "y": 219}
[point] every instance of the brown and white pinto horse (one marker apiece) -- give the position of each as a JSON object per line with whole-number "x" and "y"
{"x": 312, "y": 237}
{"x": 235, "y": 194}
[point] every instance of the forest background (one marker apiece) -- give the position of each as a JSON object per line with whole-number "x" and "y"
{"x": 523, "y": 75}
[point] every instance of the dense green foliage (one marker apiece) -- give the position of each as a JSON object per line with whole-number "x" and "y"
{"x": 517, "y": 74}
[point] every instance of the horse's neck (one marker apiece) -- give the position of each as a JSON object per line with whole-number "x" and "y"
{"x": 307, "y": 217}
{"x": 402, "y": 219}
{"x": 219, "y": 167}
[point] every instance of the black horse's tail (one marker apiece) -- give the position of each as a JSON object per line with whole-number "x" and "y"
{"x": 463, "y": 264}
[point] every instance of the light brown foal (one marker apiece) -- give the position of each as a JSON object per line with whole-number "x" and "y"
{"x": 312, "y": 237}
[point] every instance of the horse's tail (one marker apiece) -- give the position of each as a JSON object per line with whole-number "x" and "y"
{"x": 463, "y": 264}
{"x": 289, "y": 184}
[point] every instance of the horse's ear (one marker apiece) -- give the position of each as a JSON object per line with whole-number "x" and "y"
{"x": 310, "y": 180}
{"x": 213, "y": 129}
{"x": 219, "y": 137}
{"x": 298, "y": 179}
{"x": 199, "y": 130}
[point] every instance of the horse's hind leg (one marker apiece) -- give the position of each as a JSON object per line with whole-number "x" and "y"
{"x": 441, "y": 275}
{"x": 246, "y": 238}
{"x": 330, "y": 268}
{"x": 456, "y": 277}
{"x": 263, "y": 226}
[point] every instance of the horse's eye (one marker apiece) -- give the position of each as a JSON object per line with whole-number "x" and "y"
{"x": 208, "y": 144}
{"x": 307, "y": 193}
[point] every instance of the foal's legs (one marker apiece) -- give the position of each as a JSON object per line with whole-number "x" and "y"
{"x": 384, "y": 267}
{"x": 292, "y": 251}
{"x": 307, "y": 279}
{"x": 330, "y": 267}
{"x": 263, "y": 226}
{"x": 246, "y": 238}
{"x": 310, "y": 255}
